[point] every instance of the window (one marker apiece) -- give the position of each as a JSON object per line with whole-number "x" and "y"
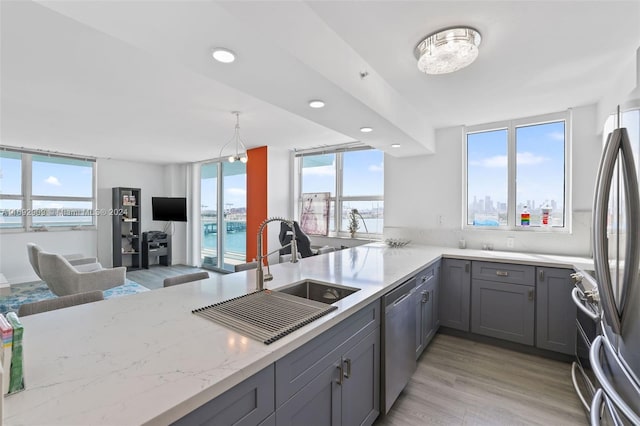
{"x": 45, "y": 191}
{"x": 517, "y": 170}
{"x": 354, "y": 179}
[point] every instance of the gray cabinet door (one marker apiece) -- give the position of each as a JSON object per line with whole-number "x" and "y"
{"x": 426, "y": 299}
{"x": 429, "y": 302}
{"x": 417, "y": 297}
{"x": 455, "y": 293}
{"x": 436, "y": 299}
{"x": 361, "y": 384}
{"x": 248, "y": 403}
{"x": 318, "y": 403}
{"x": 503, "y": 310}
{"x": 556, "y": 312}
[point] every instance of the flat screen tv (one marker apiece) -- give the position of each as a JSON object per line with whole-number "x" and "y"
{"x": 169, "y": 209}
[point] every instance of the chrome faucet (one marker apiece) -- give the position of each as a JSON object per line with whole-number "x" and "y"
{"x": 261, "y": 277}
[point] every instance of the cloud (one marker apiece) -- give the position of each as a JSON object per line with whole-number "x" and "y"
{"x": 556, "y": 136}
{"x": 500, "y": 161}
{"x": 319, "y": 171}
{"x": 377, "y": 167}
{"x": 52, "y": 180}
{"x": 237, "y": 192}
{"x": 527, "y": 159}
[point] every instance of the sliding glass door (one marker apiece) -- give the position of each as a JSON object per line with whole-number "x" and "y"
{"x": 223, "y": 214}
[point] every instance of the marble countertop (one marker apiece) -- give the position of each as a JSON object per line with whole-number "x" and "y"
{"x": 146, "y": 359}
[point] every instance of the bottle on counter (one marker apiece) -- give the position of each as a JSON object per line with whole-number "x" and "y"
{"x": 546, "y": 211}
{"x": 525, "y": 216}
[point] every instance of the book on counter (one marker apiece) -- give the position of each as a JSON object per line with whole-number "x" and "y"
{"x": 16, "y": 381}
{"x": 7, "y": 345}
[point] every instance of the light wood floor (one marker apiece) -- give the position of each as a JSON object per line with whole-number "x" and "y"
{"x": 153, "y": 277}
{"x": 461, "y": 382}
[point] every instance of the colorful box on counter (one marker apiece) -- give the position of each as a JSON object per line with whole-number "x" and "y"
{"x": 6, "y": 331}
{"x": 16, "y": 381}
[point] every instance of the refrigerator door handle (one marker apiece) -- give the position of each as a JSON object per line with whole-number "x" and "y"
{"x": 617, "y": 143}
{"x": 632, "y": 199}
{"x": 599, "y": 404}
{"x": 609, "y": 390}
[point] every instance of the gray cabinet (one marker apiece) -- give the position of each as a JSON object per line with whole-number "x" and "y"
{"x": 426, "y": 303}
{"x": 555, "y": 311}
{"x": 335, "y": 378}
{"x": 249, "y": 403}
{"x": 455, "y": 289}
{"x": 346, "y": 392}
{"x": 318, "y": 403}
{"x": 505, "y": 306}
{"x": 361, "y": 381}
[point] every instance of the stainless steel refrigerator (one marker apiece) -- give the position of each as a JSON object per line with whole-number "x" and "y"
{"x": 615, "y": 353}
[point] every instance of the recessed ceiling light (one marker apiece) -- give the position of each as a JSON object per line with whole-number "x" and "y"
{"x": 366, "y": 129}
{"x": 395, "y": 145}
{"x": 223, "y": 55}
{"x": 316, "y": 103}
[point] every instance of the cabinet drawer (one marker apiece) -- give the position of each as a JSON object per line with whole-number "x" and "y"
{"x": 248, "y": 403}
{"x": 298, "y": 368}
{"x": 504, "y": 273}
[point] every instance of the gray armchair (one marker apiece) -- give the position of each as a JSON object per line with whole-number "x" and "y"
{"x": 185, "y": 278}
{"x": 59, "y": 303}
{"x": 77, "y": 260}
{"x": 63, "y": 278}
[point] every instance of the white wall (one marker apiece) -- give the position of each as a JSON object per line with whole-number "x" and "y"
{"x": 419, "y": 190}
{"x": 153, "y": 180}
{"x": 14, "y": 262}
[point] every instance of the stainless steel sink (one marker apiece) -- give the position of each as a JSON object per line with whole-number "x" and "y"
{"x": 318, "y": 291}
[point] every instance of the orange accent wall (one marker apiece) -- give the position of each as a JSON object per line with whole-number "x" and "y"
{"x": 256, "y": 197}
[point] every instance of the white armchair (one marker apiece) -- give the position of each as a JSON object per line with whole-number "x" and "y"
{"x": 62, "y": 278}
{"x": 77, "y": 260}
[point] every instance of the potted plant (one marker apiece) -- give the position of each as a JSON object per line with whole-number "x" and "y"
{"x": 354, "y": 224}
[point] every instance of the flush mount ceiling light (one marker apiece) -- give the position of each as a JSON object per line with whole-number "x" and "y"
{"x": 316, "y": 103}
{"x": 240, "y": 153}
{"x": 447, "y": 50}
{"x": 223, "y": 55}
{"x": 395, "y": 145}
{"x": 366, "y": 129}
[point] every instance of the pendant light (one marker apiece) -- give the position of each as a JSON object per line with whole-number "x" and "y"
{"x": 240, "y": 153}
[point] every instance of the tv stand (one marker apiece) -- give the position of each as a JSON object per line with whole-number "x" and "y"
{"x": 153, "y": 247}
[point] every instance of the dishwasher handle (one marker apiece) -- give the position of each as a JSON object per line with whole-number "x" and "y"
{"x": 400, "y": 299}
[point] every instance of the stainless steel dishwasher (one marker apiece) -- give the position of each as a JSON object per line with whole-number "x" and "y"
{"x": 399, "y": 332}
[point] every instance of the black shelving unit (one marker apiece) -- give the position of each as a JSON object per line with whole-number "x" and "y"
{"x": 127, "y": 228}
{"x": 156, "y": 247}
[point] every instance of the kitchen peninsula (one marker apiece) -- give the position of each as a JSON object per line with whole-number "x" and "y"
{"x": 146, "y": 359}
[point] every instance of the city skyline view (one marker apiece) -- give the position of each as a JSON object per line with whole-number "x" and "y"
{"x": 539, "y": 171}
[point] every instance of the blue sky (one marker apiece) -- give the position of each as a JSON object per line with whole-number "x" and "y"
{"x": 235, "y": 185}
{"x": 540, "y": 164}
{"x": 59, "y": 177}
{"x": 363, "y": 173}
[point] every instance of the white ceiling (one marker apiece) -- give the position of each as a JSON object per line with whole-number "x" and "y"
{"x": 135, "y": 80}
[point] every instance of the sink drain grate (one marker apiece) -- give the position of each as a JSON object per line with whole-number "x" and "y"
{"x": 265, "y": 315}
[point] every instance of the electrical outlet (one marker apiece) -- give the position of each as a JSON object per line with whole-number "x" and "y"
{"x": 440, "y": 220}
{"x": 510, "y": 242}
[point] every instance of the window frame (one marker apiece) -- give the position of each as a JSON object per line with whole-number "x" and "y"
{"x": 511, "y": 126}
{"x": 27, "y": 198}
{"x": 338, "y": 199}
